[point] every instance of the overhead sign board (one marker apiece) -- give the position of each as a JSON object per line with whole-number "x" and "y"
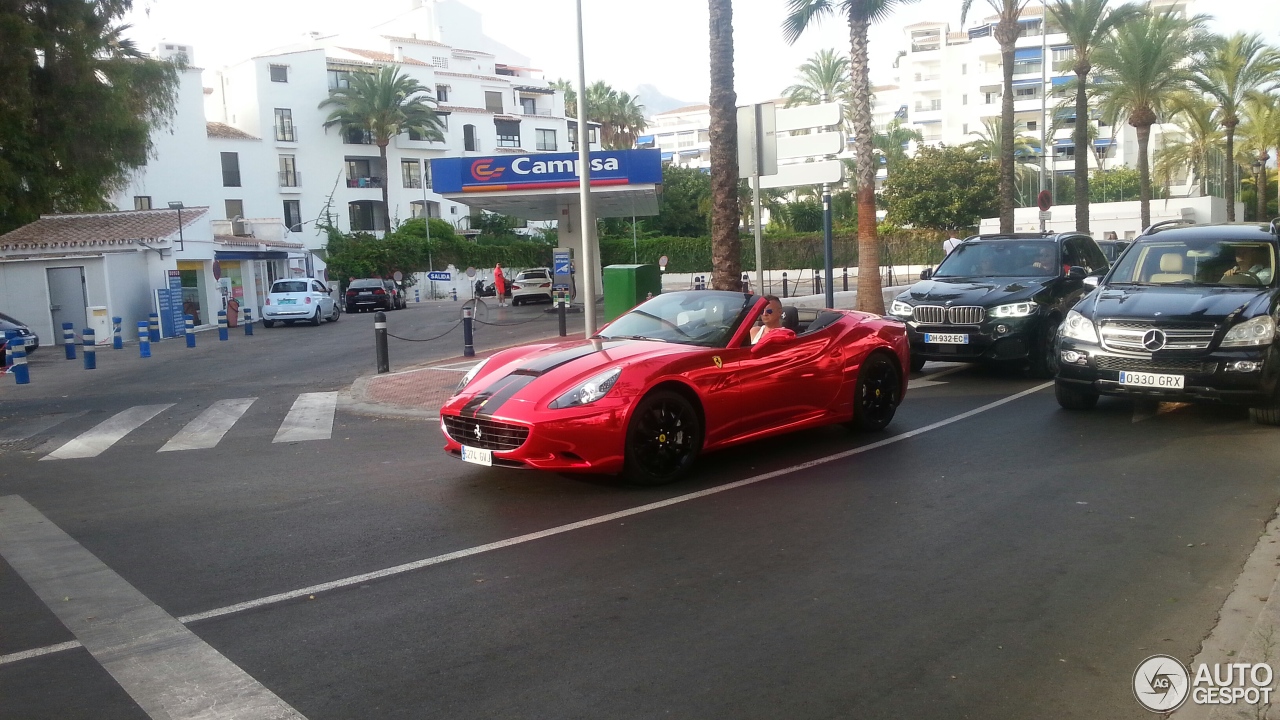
{"x": 806, "y": 117}
{"x": 798, "y": 174}
{"x": 814, "y": 144}
{"x": 757, "y": 146}
{"x": 440, "y": 276}
{"x": 544, "y": 171}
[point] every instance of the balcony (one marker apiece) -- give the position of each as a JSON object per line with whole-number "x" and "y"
{"x": 364, "y": 182}
{"x": 289, "y": 180}
{"x": 536, "y": 112}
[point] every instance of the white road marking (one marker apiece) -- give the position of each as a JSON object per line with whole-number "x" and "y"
{"x": 455, "y": 367}
{"x": 310, "y": 418}
{"x": 438, "y": 559}
{"x": 928, "y": 380}
{"x": 169, "y": 671}
{"x": 97, "y": 439}
{"x": 28, "y": 427}
{"x": 207, "y": 429}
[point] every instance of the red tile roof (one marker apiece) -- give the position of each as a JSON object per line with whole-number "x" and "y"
{"x": 52, "y": 232}
{"x": 222, "y": 130}
{"x": 383, "y": 57}
{"x": 414, "y": 41}
{"x": 254, "y": 242}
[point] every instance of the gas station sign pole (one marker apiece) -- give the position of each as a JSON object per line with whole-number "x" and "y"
{"x": 588, "y": 218}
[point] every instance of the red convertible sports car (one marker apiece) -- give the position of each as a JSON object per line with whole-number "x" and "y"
{"x": 675, "y": 377}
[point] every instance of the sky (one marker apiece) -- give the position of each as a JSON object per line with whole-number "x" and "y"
{"x": 658, "y": 42}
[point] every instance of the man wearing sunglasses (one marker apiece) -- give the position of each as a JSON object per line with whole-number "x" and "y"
{"x": 771, "y": 319}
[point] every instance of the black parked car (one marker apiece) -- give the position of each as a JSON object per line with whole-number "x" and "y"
{"x": 7, "y": 323}
{"x": 370, "y": 294}
{"x": 1187, "y": 314}
{"x": 998, "y": 298}
{"x": 1113, "y": 248}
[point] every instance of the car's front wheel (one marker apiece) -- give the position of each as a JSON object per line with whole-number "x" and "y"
{"x": 877, "y": 394}
{"x": 268, "y": 323}
{"x": 663, "y": 439}
{"x": 1071, "y": 397}
{"x": 917, "y": 363}
{"x": 1044, "y": 357}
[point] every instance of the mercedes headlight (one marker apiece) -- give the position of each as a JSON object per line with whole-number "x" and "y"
{"x": 1258, "y": 331}
{"x": 471, "y": 375}
{"x": 1013, "y": 310}
{"x": 589, "y": 391}
{"x": 1079, "y": 327}
{"x": 901, "y": 309}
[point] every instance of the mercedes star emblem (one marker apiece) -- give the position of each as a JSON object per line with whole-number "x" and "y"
{"x": 1153, "y": 341}
{"x": 480, "y": 434}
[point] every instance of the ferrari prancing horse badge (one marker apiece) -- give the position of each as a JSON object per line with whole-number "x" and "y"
{"x": 716, "y": 359}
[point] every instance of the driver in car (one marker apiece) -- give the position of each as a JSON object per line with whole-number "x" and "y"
{"x": 770, "y": 320}
{"x": 1045, "y": 261}
{"x": 1253, "y": 261}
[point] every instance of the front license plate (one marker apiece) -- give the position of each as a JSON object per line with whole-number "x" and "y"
{"x": 946, "y": 338}
{"x": 477, "y": 455}
{"x": 1152, "y": 380}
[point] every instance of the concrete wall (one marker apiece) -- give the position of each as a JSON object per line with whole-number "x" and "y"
{"x": 1122, "y": 218}
{"x": 129, "y": 285}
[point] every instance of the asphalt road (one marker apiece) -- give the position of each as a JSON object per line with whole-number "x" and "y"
{"x": 1015, "y": 562}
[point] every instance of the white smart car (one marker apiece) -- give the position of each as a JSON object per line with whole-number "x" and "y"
{"x": 305, "y": 299}
{"x": 531, "y": 285}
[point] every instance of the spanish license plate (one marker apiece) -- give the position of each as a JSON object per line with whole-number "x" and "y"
{"x": 288, "y": 301}
{"x": 1152, "y": 380}
{"x": 477, "y": 455}
{"x": 946, "y": 338}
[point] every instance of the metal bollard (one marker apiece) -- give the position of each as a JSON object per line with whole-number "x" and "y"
{"x": 153, "y": 331}
{"x": 69, "y": 340}
{"x": 455, "y": 294}
{"x": 846, "y": 279}
{"x": 746, "y": 283}
{"x": 222, "y": 324}
{"x": 817, "y": 282}
{"x": 380, "y": 341}
{"x": 21, "y": 374}
{"x": 417, "y": 295}
{"x": 191, "y": 330}
{"x": 117, "y": 342}
{"x": 562, "y": 302}
{"x": 144, "y": 340}
{"x": 90, "y": 350}
{"x": 784, "y": 283}
{"x": 248, "y": 321}
{"x": 468, "y": 349}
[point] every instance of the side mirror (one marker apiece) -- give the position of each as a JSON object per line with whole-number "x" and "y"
{"x": 926, "y": 273}
{"x": 1092, "y": 281}
{"x": 1077, "y": 273}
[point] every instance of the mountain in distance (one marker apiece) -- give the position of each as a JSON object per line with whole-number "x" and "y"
{"x": 655, "y": 102}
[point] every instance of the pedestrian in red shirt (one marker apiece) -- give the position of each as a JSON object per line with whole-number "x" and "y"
{"x": 500, "y": 285}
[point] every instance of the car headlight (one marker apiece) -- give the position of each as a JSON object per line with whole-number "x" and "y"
{"x": 471, "y": 374}
{"x": 1013, "y": 310}
{"x": 589, "y": 391}
{"x": 901, "y": 309}
{"x": 1258, "y": 331}
{"x": 1079, "y": 327}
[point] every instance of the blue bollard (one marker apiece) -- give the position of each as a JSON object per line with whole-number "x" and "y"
{"x": 248, "y": 321}
{"x": 455, "y": 294}
{"x": 9, "y": 337}
{"x": 20, "y": 373}
{"x": 69, "y": 340}
{"x": 222, "y": 324}
{"x": 117, "y": 342}
{"x": 144, "y": 340}
{"x": 417, "y": 297}
{"x": 191, "y": 330}
{"x": 90, "y": 350}
{"x": 153, "y": 331}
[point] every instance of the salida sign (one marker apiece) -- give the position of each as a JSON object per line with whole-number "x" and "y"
{"x": 543, "y": 171}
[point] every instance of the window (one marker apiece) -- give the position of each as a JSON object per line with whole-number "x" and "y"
{"x": 573, "y": 136}
{"x": 235, "y": 209}
{"x": 964, "y": 69}
{"x": 293, "y": 215}
{"x": 339, "y": 79}
{"x": 362, "y": 216}
{"x": 1063, "y": 58}
{"x": 360, "y": 174}
{"x": 508, "y": 133}
{"x": 593, "y": 136}
{"x": 1031, "y": 65}
{"x": 493, "y": 101}
{"x": 529, "y": 106}
{"x": 230, "y": 169}
{"x": 411, "y": 173}
{"x": 1026, "y": 91}
{"x": 704, "y": 136}
{"x": 444, "y": 120}
{"x": 357, "y": 136}
{"x": 141, "y": 202}
{"x": 990, "y": 98}
{"x": 440, "y": 62}
{"x": 288, "y": 171}
{"x": 547, "y": 140}
{"x": 469, "y": 143}
{"x": 442, "y": 93}
{"x": 280, "y": 73}
{"x": 1031, "y": 125}
{"x": 964, "y": 99}
{"x": 964, "y": 128}
{"x": 284, "y": 125}
{"x": 686, "y": 139}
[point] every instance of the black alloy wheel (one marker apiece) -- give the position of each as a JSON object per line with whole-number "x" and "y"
{"x": 1071, "y": 397}
{"x": 877, "y": 394}
{"x": 1044, "y": 357}
{"x": 663, "y": 439}
{"x": 1268, "y": 414}
{"x": 268, "y": 323}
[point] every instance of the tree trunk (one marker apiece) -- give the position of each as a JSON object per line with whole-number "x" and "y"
{"x": 726, "y": 245}
{"x": 870, "y": 298}
{"x": 1230, "y": 190}
{"x": 1082, "y": 149}
{"x": 1141, "y": 123}
{"x": 386, "y": 205}
{"x": 1007, "y": 35}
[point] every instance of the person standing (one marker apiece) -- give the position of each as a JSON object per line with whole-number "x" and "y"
{"x": 500, "y": 285}
{"x": 950, "y": 244}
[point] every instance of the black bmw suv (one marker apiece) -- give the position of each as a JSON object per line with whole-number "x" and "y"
{"x": 998, "y": 298}
{"x": 1186, "y": 314}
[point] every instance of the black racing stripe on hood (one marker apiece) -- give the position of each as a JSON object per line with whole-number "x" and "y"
{"x": 505, "y": 393}
{"x": 550, "y": 362}
{"x": 474, "y": 405}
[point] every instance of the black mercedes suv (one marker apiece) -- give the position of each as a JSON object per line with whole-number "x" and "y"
{"x": 1187, "y": 314}
{"x": 998, "y": 298}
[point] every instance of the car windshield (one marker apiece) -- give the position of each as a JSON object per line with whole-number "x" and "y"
{"x": 706, "y": 318}
{"x": 1002, "y": 258}
{"x": 1197, "y": 261}
{"x": 365, "y": 283}
{"x": 7, "y": 319}
{"x": 290, "y": 286}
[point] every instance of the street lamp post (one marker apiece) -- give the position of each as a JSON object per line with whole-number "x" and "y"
{"x": 587, "y": 218}
{"x": 177, "y": 205}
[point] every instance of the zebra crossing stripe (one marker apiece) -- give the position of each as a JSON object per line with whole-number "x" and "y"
{"x": 310, "y": 418}
{"x": 97, "y": 439}
{"x": 207, "y": 429}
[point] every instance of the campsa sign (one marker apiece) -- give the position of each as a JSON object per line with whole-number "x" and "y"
{"x": 543, "y": 171}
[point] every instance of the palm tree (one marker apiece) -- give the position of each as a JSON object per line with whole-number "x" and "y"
{"x": 1229, "y": 70}
{"x": 1086, "y": 24}
{"x": 892, "y": 143}
{"x": 1006, "y": 33}
{"x": 570, "y": 96}
{"x": 384, "y": 104}
{"x": 826, "y": 74}
{"x": 1192, "y": 146}
{"x": 989, "y": 144}
{"x": 726, "y": 246}
{"x": 860, "y": 14}
{"x": 628, "y": 120}
{"x": 1144, "y": 65}
{"x": 1261, "y": 130}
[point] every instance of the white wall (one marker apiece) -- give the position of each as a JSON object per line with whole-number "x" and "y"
{"x": 1122, "y": 218}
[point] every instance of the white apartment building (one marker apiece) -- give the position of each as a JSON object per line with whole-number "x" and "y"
{"x": 683, "y": 135}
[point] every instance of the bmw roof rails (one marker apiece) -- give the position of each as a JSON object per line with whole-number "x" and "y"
{"x": 1160, "y": 225}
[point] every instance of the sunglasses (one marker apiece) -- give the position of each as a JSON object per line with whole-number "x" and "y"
{"x": 768, "y": 311}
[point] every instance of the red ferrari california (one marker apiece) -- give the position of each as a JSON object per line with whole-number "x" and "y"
{"x": 676, "y": 377}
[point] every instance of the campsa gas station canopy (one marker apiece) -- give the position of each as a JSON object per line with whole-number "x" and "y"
{"x": 624, "y": 183}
